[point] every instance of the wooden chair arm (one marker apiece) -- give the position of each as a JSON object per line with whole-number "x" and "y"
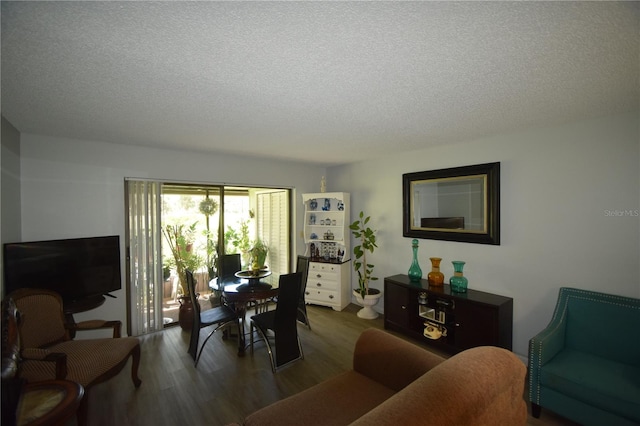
{"x": 44, "y": 355}
{"x": 96, "y": 325}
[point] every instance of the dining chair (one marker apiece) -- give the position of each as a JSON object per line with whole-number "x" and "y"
{"x": 302, "y": 266}
{"x": 220, "y": 316}
{"x": 282, "y": 323}
{"x": 229, "y": 265}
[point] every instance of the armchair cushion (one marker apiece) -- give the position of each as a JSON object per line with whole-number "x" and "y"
{"x": 594, "y": 380}
{"x": 86, "y": 359}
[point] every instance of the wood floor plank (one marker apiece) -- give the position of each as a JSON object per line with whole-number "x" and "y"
{"x": 225, "y": 388}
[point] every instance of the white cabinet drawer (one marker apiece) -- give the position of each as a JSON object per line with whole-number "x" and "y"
{"x": 322, "y": 296}
{"x": 321, "y": 284}
{"x": 324, "y": 267}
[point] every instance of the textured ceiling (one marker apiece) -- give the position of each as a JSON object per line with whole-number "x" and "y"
{"x": 325, "y": 82}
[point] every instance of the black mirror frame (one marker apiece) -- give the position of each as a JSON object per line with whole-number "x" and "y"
{"x": 492, "y": 172}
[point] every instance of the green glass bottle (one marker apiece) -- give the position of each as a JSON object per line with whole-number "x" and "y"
{"x": 458, "y": 282}
{"x": 415, "y": 273}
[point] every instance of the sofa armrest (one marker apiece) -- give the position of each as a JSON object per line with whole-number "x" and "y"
{"x": 542, "y": 348}
{"x": 548, "y": 343}
{"x": 391, "y": 361}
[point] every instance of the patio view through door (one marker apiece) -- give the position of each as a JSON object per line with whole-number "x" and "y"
{"x": 208, "y": 221}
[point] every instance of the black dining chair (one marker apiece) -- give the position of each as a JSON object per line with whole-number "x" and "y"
{"x": 229, "y": 265}
{"x": 220, "y": 316}
{"x": 302, "y": 266}
{"x": 282, "y": 323}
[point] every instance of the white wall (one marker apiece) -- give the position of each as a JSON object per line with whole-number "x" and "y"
{"x": 557, "y": 186}
{"x": 75, "y": 188}
{"x": 9, "y": 187}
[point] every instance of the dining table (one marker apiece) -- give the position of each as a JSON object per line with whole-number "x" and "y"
{"x": 248, "y": 287}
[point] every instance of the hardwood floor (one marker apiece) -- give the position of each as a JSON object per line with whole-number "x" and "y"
{"x": 225, "y": 388}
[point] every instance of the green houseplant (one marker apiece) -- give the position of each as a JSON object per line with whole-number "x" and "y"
{"x": 367, "y": 243}
{"x": 180, "y": 239}
{"x": 258, "y": 252}
{"x": 237, "y": 241}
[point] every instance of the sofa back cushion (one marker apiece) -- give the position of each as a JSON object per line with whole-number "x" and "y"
{"x": 601, "y": 324}
{"x": 390, "y": 360}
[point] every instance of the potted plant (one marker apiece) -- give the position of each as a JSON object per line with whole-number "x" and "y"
{"x": 180, "y": 240}
{"x": 258, "y": 252}
{"x": 237, "y": 241}
{"x": 365, "y": 296}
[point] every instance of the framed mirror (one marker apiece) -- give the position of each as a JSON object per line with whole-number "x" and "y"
{"x": 456, "y": 204}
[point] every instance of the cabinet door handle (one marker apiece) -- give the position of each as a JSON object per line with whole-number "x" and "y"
{"x": 331, "y": 296}
{"x": 318, "y": 276}
{"x": 307, "y": 293}
{"x": 319, "y": 284}
{"x": 404, "y": 307}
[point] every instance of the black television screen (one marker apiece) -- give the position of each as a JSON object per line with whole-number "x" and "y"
{"x": 77, "y": 268}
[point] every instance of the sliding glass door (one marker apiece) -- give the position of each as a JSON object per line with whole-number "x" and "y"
{"x": 198, "y": 224}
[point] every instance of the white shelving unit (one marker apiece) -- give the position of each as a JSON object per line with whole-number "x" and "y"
{"x": 327, "y": 240}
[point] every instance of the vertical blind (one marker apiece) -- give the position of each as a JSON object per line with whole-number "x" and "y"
{"x": 273, "y": 228}
{"x": 144, "y": 261}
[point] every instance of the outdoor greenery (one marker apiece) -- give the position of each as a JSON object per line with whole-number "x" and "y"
{"x": 208, "y": 207}
{"x": 180, "y": 239}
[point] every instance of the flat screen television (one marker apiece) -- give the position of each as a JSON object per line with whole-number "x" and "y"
{"x": 78, "y": 269}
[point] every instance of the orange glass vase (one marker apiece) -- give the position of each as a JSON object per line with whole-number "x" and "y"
{"x": 435, "y": 277}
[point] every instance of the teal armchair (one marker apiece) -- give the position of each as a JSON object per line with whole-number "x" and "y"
{"x": 585, "y": 365}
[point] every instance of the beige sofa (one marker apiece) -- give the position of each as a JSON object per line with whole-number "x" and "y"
{"x": 394, "y": 382}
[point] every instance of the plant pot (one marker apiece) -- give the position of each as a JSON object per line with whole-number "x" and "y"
{"x": 185, "y": 313}
{"x": 367, "y": 302}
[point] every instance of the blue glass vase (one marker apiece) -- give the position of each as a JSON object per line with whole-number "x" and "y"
{"x": 415, "y": 273}
{"x": 458, "y": 281}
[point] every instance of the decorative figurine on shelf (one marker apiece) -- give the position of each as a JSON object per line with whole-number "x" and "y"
{"x": 415, "y": 273}
{"x": 435, "y": 277}
{"x": 313, "y": 204}
{"x": 327, "y": 205}
{"x": 312, "y": 219}
{"x": 323, "y": 184}
{"x": 340, "y": 205}
{"x": 458, "y": 281}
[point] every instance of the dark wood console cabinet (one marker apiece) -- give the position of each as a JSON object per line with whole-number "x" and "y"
{"x": 470, "y": 319}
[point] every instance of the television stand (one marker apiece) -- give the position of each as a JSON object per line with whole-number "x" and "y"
{"x": 81, "y": 305}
